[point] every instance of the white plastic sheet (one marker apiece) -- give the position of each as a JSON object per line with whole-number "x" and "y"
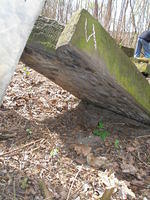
{"x": 17, "y": 18}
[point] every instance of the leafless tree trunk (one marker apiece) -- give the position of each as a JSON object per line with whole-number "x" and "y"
{"x": 96, "y": 9}
{"x": 134, "y": 15}
{"x": 108, "y": 15}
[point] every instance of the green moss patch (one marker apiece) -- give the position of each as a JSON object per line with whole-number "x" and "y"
{"x": 104, "y": 47}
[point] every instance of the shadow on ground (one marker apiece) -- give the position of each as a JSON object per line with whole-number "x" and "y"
{"x": 75, "y": 126}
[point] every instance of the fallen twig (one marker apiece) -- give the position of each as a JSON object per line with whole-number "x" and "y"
{"x": 139, "y": 158}
{"x": 76, "y": 191}
{"x": 20, "y": 148}
{"x": 143, "y": 136}
{"x": 68, "y": 196}
{"x": 5, "y": 134}
{"x": 14, "y": 190}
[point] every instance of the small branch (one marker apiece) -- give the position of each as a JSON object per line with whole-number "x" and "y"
{"x": 143, "y": 136}
{"x": 14, "y": 190}
{"x": 20, "y": 148}
{"x": 5, "y": 136}
{"x": 68, "y": 196}
{"x": 76, "y": 191}
{"x": 139, "y": 158}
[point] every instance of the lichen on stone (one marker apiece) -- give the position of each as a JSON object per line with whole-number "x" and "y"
{"x": 45, "y": 33}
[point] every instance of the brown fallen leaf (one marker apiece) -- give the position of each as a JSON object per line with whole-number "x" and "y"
{"x": 110, "y": 181}
{"x": 131, "y": 149}
{"x": 128, "y": 168}
{"x": 147, "y": 180}
{"x": 54, "y": 101}
{"x": 80, "y": 161}
{"x": 96, "y": 162}
{"x": 82, "y": 149}
{"x": 137, "y": 183}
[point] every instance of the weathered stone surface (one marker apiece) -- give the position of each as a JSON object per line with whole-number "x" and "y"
{"x": 17, "y": 18}
{"x": 45, "y": 35}
{"x": 143, "y": 67}
{"x": 128, "y": 51}
{"x": 142, "y": 64}
{"x": 40, "y": 51}
{"x": 89, "y": 64}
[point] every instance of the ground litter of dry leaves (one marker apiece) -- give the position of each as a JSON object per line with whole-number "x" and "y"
{"x": 48, "y": 150}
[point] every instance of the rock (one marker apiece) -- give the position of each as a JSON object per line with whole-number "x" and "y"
{"x": 142, "y": 64}
{"x": 96, "y": 162}
{"x": 88, "y": 63}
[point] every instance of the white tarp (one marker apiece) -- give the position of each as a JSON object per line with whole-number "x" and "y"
{"x": 17, "y": 18}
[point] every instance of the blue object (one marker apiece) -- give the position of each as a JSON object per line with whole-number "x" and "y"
{"x": 146, "y": 46}
{"x": 145, "y": 35}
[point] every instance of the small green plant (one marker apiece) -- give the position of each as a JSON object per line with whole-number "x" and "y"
{"x": 120, "y": 44}
{"x": 100, "y": 131}
{"x": 26, "y": 71}
{"x": 100, "y": 124}
{"x": 148, "y": 160}
{"x": 24, "y": 183}
{"x": 117, "y": 144}
{"x": 29, "y": 131}
{"x": 54, "y": 152}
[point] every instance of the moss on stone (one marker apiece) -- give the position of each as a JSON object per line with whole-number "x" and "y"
{"x": 128, "y": 51}
{"x": 117, "y": 62}
{"x": 70, "y": 28}
{"x": 45, "y": 34}
{"x": 143, "y": 67}
{"x": 142, "y": 64}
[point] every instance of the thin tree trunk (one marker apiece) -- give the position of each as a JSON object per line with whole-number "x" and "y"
{"x": 108, "y": 15}
{"x": 96, "y": 9}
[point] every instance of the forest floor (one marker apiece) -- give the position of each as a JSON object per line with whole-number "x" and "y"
{"x": 46, "y": 135}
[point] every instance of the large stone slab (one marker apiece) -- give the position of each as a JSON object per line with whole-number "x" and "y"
{"x": 107, "y": 76}
{"x": 17, "y": 18}
{"x": 88, "y": 63}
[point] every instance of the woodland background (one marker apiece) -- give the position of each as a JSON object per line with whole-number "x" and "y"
{"x": 123, "y": 19}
